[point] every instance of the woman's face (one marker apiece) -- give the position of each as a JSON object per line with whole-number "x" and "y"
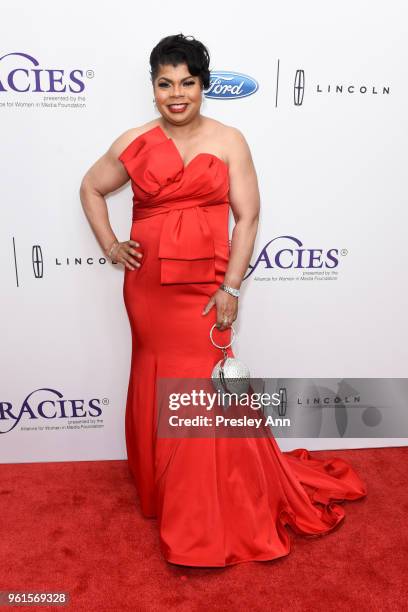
{"x": 177, "y": 93}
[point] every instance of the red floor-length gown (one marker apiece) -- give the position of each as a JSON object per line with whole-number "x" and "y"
{"x": 218, "y": 501}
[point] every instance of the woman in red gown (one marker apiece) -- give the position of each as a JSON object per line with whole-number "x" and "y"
{"x": 219, "y": 501}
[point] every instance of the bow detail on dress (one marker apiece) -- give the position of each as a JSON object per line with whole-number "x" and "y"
{"x": 186, "y": 247}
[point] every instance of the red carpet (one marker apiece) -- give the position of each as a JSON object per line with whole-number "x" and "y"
{"x": 76, "y": 527}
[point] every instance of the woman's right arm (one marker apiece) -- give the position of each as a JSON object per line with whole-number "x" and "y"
{"x": 103, "y": 177}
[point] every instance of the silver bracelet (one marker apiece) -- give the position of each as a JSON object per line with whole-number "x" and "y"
{"x": 230, "y": 290}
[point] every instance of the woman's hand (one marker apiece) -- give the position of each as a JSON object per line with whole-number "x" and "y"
{"x": 227, "y": 308}
{"x": 122, "y": 253}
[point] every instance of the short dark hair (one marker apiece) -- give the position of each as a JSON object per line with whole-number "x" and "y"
{"x": 180, "y": 49}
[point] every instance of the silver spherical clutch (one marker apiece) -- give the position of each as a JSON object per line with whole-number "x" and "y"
{"x": 229, "y": 373}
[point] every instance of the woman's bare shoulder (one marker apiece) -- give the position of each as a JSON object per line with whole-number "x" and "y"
{"x": 228, "y": 135}
{"x": 230, "y": 138}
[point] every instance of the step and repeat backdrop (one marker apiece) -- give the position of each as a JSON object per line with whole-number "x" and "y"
{"x": 319, "y": 93}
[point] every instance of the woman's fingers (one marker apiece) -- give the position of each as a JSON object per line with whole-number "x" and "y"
{"x": 223, "y": 322}
{"x": 225, "y": 316}
{"x": 132, "y": 260}
{"x": 132, "y": 263}
{"x": 209, "y": 305}
{"x": 124, "y": 254}
{"x": 226, "y": 312}
{"x": 226, "y": 309}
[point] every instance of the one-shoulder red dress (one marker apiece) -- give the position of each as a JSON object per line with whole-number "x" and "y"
{"x": 218, "y": 501}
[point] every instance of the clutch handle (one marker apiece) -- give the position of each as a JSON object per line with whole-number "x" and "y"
{"x": 225, "y": 346}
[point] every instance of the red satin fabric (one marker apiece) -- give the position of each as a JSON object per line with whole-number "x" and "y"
{"x": 218, "y": 501}
{"x": 186, "y": 244}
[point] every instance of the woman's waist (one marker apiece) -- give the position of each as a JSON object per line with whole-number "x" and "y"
{"x": 207, "y": 223}
{"x": 142, "y": 210}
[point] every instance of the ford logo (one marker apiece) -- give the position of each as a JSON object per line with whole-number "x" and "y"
{"x": 229, "y": 85}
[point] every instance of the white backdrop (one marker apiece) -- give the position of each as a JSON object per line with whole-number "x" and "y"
{"x": 327, "y": 130}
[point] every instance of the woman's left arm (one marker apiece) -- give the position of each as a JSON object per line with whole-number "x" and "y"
{"x": 245, "y": 204}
